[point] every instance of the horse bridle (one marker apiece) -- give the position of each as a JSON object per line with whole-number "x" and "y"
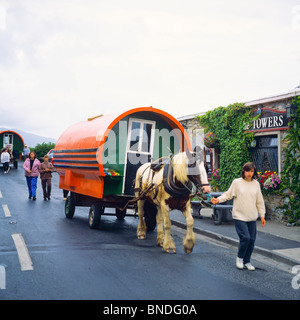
{"x": 193, "y": 164}
{"x": 185, "y": 189}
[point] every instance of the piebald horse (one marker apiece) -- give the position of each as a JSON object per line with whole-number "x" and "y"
{"x": 169, "y": 188}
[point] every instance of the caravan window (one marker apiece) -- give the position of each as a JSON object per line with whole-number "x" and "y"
{"x": 8, "y": 141}
{"x": 135, "y": 136}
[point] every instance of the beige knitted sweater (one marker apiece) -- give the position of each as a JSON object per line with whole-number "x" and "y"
{"x": 247, "y": 200}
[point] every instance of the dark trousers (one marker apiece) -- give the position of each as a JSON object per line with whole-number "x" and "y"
{"x": 246, "y": 231}
{"x": 46, "y": 185}
{"x": 5, "y": 166}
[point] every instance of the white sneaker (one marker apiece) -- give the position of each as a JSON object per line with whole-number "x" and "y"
{"x": 249, "y": 266}
{"x": 239, "y": 263}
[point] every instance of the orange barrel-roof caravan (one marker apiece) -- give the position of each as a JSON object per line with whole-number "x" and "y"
{"x": 93, "y": 157}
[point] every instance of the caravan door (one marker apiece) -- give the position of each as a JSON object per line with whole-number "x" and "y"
{"x": 139, "y": 150}
{"x": 8, "y": 141}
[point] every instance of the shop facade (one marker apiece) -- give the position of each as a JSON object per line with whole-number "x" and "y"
{"x": 269, "y": 129}
{"x": 268, "y": 147}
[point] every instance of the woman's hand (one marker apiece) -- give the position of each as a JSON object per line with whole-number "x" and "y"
{"x": 263, "y": 221}
{"x": 214, "y": 200}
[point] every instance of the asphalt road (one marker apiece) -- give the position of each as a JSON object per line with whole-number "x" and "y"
{"x": 71, "y": 261}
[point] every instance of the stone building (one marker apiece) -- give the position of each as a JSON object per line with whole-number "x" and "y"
{"x": 268, "y": 146}
{"x": 269, "y": 130}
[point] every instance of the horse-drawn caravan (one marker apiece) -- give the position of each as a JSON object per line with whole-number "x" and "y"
{"x": 14, "y": 142}
{"x": 98, "y": 161}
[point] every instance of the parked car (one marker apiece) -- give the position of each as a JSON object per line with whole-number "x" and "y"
{"x": 50, "y": 154}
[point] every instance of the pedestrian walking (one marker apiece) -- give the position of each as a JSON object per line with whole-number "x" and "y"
{"x": 247, "y": 203}
{"x": 46, "y": 168}
{"x": 26, "y": 152}
{"x": 31, "y": 167}
{"x": 5, "y": 159}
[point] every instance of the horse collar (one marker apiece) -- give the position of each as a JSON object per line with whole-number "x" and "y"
{"x": 171, "y": 187}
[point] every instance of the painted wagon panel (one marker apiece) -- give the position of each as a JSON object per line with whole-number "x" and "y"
{"x": 93, "y": 157}
{"x": 11, "y": 139}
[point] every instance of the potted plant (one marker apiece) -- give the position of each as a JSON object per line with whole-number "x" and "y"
{"x": 216, "y": 180}
{"x": 210, "y": 140}
{"x": 270, "y": 182}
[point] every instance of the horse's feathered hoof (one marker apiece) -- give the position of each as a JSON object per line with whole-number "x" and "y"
{"x": 168, "y": 250}
{"x": 188, "y": 249}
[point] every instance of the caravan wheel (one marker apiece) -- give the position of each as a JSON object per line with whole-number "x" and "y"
{"x": 70, "y": 206}
{"x": 95, "y": 216}
{"x": 120, "y": 214}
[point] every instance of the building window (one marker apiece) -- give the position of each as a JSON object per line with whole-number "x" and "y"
{"x": 265, "y": 153}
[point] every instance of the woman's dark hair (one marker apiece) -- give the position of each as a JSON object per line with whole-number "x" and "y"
{"x": 247, "y": 167}
{"x": 34, "y": 154}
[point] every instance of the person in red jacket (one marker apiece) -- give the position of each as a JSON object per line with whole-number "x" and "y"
{"x": 31, "y": 167}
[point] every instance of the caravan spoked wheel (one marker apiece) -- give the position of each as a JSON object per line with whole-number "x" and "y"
{"x": 95, "y": 216}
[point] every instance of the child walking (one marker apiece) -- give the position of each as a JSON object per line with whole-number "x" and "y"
{"x": 247, "y": 203}
{"x": 5, "y": 159}
{"x": 31, "y": 167}
{"x": 46, "y": 168}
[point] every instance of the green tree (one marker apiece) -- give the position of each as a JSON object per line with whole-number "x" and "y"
{"x": 42, "y": 149}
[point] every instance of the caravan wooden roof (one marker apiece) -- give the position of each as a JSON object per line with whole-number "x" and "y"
{"x": 93, "y": 132}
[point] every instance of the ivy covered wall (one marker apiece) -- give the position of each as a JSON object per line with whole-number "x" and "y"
{"x": 230, "y": 125}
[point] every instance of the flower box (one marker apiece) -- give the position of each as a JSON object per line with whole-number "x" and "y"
{"x": 210, "y": 140}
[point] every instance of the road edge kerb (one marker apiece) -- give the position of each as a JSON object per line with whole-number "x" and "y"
{"x": 233, "y": 242}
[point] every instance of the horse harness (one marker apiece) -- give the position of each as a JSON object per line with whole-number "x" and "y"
{"x": 175, "y": 190}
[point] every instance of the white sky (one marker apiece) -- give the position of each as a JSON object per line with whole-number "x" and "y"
{"x": 62, "y": 61}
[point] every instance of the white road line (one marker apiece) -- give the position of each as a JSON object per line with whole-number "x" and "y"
{"x": 1, "y": 194}
{"x": 6, "y": 210}
{"x": 23, "y": 254}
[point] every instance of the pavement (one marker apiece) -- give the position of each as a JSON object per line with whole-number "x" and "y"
{"x": 275, "y": 240}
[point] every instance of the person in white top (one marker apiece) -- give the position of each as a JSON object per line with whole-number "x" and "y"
{"x": 248, "y": 202}
{"x": 5, "y": 159}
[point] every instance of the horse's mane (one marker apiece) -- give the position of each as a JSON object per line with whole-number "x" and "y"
{"x": 180, "y": 167}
